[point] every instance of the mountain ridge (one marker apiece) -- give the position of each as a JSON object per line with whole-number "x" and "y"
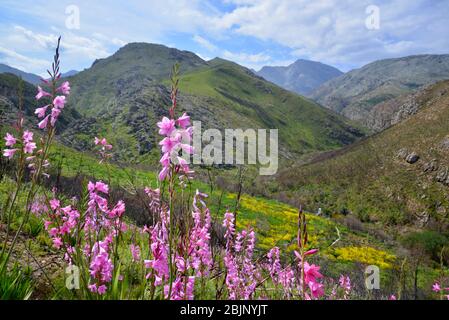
{"x": 302, "y": 76}
{"x": 29, "y": 77}
{"x": 355, "y": 93}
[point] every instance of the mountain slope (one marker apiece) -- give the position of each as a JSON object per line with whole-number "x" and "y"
{"x": 29, "y": 77}
{"x": 397, "y": 177}
{"x": 128, "y": 93}
{"x": 302, "y": 76}
{"x": 247, "y": 101}
{"x": 355, "y": 93}
{"x": 9, "y": 104}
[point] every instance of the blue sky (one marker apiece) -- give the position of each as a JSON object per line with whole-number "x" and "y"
{"x": 253, "y": 33}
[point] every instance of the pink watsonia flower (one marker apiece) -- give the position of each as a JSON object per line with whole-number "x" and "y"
{"x": 274, "y": 264}
{"x": 165, "y": 160}
{"x": 10, "y": 140}
{"x": 43, "y": 124}
{"x": 55, "y": 204}
{"x": 163, "y": 173}
{"x": 55, "y": 112}
{"x": 29, "y": 147}
{"x": 57, "y": 242}
{"x": 135, "y": 252}
{"x": 118, "y": 210}
{"x": 183, "y": 121}
{"x": 436, "y": 287}
{"x": 316, "y": 288}
{"x": 64, "y": 88}
{"x": 311, "y": 272}
{"x": 101, "y": 187}
{"x": 166, "y": 126}
{"x": 228, "y": 223}
{"x": 168, "y": 144}
{"x": 27, "y": 136}
{"x": 102, "y": 289}
{"x": 345, "y": 282}
{"x": 103, "y": 142}
{"x": 59, "y": 102}
{"x": 41, "y": 93}
{"x": 41, "y": 111}
{"x": 93, "y": 287}
{"x": 9, "y": 153}
{"x": 392, "y": 297}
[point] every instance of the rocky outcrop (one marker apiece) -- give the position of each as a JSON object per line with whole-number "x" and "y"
{"x": 412, "y": 158}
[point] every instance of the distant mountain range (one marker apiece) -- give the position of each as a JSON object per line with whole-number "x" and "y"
{"x": 357, "y": 93}
{"x": 302, "y": 76}
{"x": 30, "y": 77}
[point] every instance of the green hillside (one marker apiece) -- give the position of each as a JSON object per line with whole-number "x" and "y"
{"x": 396, "y": 179}
{"x": 244, "y": 100}
{"x": 123, "y": 96}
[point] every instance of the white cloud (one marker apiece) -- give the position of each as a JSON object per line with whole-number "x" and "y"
{"x": 254, "y": 61}
{"x": 331, "y": 31}
{"x": 204, "y": 43}
{"x": 334, "y": 31}
{"x": 21, "y": 62}
{"x": 73, "y": 44}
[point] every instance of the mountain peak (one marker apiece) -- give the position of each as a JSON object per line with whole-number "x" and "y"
{"x": 302, "y": 76}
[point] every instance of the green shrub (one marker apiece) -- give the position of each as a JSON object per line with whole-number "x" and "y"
{"x": 430, "y": 242}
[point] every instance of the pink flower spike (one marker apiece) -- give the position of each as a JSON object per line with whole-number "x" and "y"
{"x": 9, "y": 153}
{"x": 59, "y": 102}
{"x": 10, "y": 140}
{"x": 183, "y": 121}
{"x": 65, "y": 88}
{"x": 43, "y": 124}
{"x": 392, "y": 297}
{"x": 166, "y": 126}
{"x": 41, "y": 93}
{"x": 41, "y": 111}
